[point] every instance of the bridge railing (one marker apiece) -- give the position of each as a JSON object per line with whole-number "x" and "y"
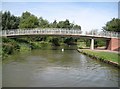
{"x": 40, "y": 31}
{"x": 104, "y": 34}
{"x": 58, "y": 31}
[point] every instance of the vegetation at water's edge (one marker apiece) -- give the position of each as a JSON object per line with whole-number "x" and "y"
{"x": 13, "y": 45}
{"x": 109, "y": 56}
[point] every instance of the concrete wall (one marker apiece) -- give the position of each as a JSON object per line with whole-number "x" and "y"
{"x": 113, "y": 44}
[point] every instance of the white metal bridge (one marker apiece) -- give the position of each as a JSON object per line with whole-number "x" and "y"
{"x": 58, "y": 32}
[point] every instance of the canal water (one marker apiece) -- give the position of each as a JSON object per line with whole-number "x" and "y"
{"x": 54, "y": 68}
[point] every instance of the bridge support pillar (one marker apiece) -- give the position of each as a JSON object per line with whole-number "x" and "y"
{"x": 113, "y": 44}
{"x": 92, "y": 44}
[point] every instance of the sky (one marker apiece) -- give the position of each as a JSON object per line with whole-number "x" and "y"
{"x": 59, "y": 0}
{"x": 89, "y": 15}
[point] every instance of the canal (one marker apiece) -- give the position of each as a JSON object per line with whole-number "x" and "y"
{"x": 54, "y": 68}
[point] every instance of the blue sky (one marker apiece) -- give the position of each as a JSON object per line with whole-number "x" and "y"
{"x": 60, "y": 0}
{"x": 89, "y": 15}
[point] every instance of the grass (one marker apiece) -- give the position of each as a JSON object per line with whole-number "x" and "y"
{"x": 81, "y": 44}
{"x": 104, "y": 55}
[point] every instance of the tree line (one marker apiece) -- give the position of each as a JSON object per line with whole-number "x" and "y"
{"x": 28, "y": 20}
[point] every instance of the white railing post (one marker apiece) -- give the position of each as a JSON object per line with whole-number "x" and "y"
{"x": 60, "y": 31}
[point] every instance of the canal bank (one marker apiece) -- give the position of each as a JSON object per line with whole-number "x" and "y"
{"x": 108, "y": 57}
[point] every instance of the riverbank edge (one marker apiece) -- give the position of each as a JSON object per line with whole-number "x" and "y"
{"x": 99, "y": 58}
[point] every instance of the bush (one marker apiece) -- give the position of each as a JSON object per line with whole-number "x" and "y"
{"x": 9, "y": 47}
{"x": 35, "y": 45}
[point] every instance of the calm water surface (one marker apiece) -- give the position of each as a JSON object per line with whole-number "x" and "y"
{"x": 54, "y": 68}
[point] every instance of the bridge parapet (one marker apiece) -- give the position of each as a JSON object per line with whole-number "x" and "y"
{"x": 58, "y": 31}
{"x": 40, "y": 31}
{"x": 104, "y": 34}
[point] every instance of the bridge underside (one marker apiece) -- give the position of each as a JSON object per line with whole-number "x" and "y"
{"x": 112, "y": 44}
{"x": 60, "y": 35}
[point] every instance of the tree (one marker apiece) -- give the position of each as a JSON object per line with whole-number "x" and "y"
{"x": 113, "y": 25}
{"x": 55, "y": 41}
{"x": 60, "y": 24}
{"x": 66, "y": 24}
{"x": 77, "y": 27}
{"x": 63, "y": 24}
{"x": 69, "y": 40}
{"x": 71, "y": 25}
{"x": 28, "y": 20}
{"x": 43, "y": 23}
{"x": 0, "y": 20}
{"x": 14, "y": 22}
{"x": 5, "y": 20}
{"x": 54, "y": 24}
{"x": 9, "y": 21}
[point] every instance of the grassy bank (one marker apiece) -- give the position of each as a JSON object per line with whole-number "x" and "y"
{"x": 108, "y": 57}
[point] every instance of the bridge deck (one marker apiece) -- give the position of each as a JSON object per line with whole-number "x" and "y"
{"x": 58, "y": 32}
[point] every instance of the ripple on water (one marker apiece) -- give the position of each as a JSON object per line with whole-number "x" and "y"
{"x": 50, "y": 68}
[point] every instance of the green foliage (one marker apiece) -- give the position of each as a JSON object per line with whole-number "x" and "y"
{"x": 64, "y": 24}
{"x": 35, "y": 45}
{"x": 24, "y": 47}
{"x": 87, "y": 42}
{"x": 61, "y": 24}
{"x": 9, "y": 21}
{"x": 69, "y": 41}
{"x": 113, "y": 25}
{"x": 28, "y": 20}
{"x": 84, "y": 41}
{"x": 55, "y": 41}
{"x": 81, "y": 45}
{"x": 97, "y": 42}
{"x": 100, "y": 42}
{"x": 13, "y": 45}
{"x": 9, "y": 46}
{"x": 54, "y": 25}
{"x": 21, "y": 40}
{"x": 76, "y": 27}
{"x": 43, "y": 23}
{"x": 44, "y": 44}
{"x": 67, "y": 24}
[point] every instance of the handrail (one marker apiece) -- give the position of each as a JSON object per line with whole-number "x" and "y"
{"x": 57, "y": 31}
